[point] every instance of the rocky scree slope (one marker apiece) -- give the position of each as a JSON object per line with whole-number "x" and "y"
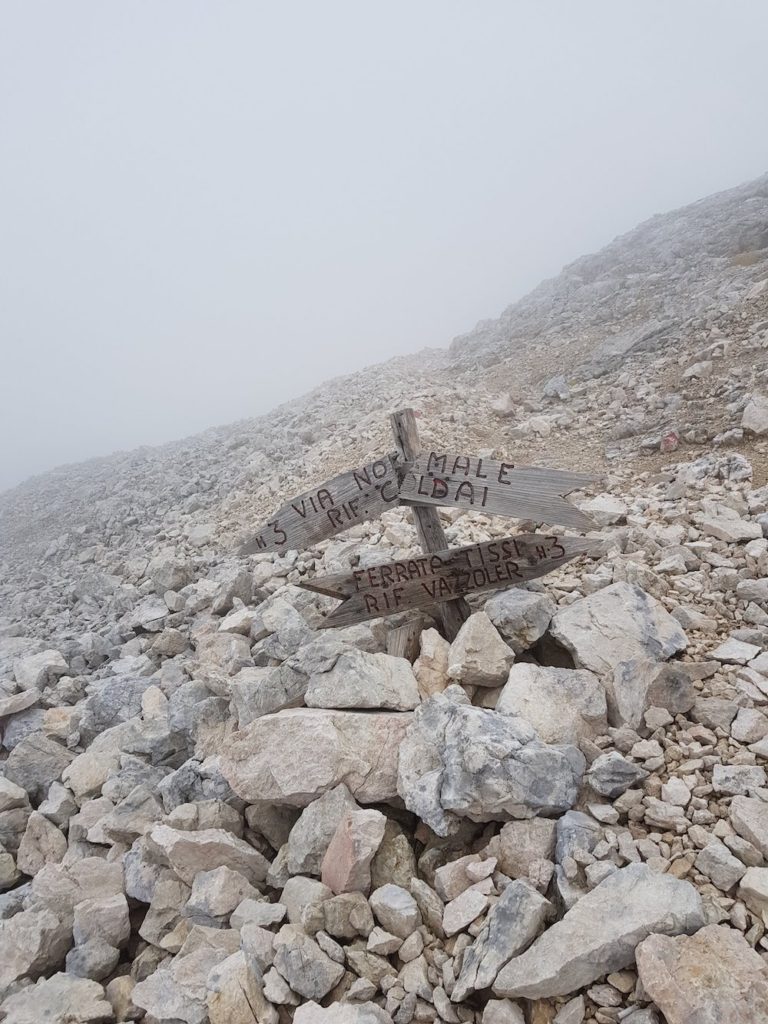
{"x": 212, "y": 811}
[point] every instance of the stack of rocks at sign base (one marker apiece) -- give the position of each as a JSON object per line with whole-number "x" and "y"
{"x": 508, "y": 827}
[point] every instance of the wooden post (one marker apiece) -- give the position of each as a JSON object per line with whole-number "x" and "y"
{"x": 427, "y": 521}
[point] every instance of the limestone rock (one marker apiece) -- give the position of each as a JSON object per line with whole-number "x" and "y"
{"x": 600, "y": 933}
{"x": 749, "y": 817}
{"x": 42, "y": 843}
{"x": 611, "y": 774}
{"x": 341, "y": 1013}
{"x": 37, "y": 671}
{"x": 563, "y": 706}
{"x": 616, "y": 624}
{"x": 431, "y": 666}
{"x": 309, "y": 838}
{"x": 105, "y": 918}
{"x": 305, "y": 967}
{"x": 191, "y": 852}
{"x": 459, "y": 761}
{"x": 178, "y": 989}
{"x": 362, "y": 680}
{"x": 478, "y": 656}
{"x": 713, "y": 975}
{"x": 754, "y": 419}
{"x": 521, "y": 616}
{"x": 61, "y": 999}
{"x": 31, "y": 943}
{"x": 217, "y": 892}
{"x": 638, "y": 684}
{"x": 35, "y": 763}
{"x": 522, "y": 843}
{"x": 346, "y": 866}
{"x": 395, "y": 910}
{"x": 511, "y": 926}
{"x": 358, "y": 749}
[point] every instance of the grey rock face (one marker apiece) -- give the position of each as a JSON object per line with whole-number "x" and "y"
{"x": 713, "y": 975}
{"x": 341, "y": 1013}
{"x": 511, "y": 926}
{"x": 521, "y": 616}
{"x": 563, "y": 706}
{"x": 396, "y": 910}
{"x": 749, "y": 816}
{"x": 616, "y": 624}
{"x": 638, "y": 684}
{"x": 177, "y": 990}
{"x": 358, "y": 749}
{"x": 31, "y": 942}
{"x": 458, "y": 761}
{"x": 305, "y": 967}
{"x": 601, "y": 932}
{"x": 191, "y": 852}
{"x": 61, "y": 999}
{"x": 611, "y": 774}
{"x": 35, "y": 763}
{"x": 478, "y": 656}
{"x": 310, "y": 836}
{"x": 362, "y": 680}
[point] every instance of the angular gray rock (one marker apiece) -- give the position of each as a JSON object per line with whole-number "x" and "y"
{"x": 561, "y": 704}
{"x": 458, "y": 761}
{"x": 35, "y": 763}
{"x": 31, "y": 943}
{"x": 341, "y": 1013}
{"x": 749, "y": 817}
{"x": 601, "y": 932}
{"x": 396, "y": 910}
{"x": 362, "y": 680}
{"x": 711, "y": 976}
{"x": 521, "y": 616}
{"x": 37, "y": 671}
{"x": 191, "y": 852}
{"x": 612, "y": 774}
{"x": 638, "y": 684}
{"x": 616, "y": 624}
{"x": 358, "y": 749}
{"x": 510, "y": 927}
{"x": 61, "y": 999}
{"x": 478, "y": 656}
{"x": 305, "y": 967}
{"x": 310, "y": 836}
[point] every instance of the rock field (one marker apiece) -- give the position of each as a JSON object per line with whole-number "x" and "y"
{"x": 213, "y": 811}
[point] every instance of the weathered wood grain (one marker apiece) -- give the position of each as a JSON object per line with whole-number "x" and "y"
{"x": 443, "y": 575}
{"x": 452, "y": 614}
{"x": 335, "y": 506}
{"x": 498, "y": 488}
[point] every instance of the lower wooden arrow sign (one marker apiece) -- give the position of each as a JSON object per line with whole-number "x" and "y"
{"x": 443, "y": 575}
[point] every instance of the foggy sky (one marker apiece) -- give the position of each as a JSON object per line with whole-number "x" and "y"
{"x": 210, "y": 207}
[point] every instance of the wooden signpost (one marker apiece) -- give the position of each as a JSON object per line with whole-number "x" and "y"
{"x": 423, "y": 480}
{"x": 349, "y": 498}
{"x": 499, "y": 488}
{"x": 449, "y": 574}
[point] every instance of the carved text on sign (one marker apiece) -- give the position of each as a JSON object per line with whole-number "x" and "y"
{"x": 495, "y": 487}
{"x": 352, "y": 497}
{"x": 444, "y": 575}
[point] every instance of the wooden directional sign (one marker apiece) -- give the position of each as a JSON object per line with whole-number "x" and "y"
{"x": 498, "y": 488}
{"x": 349, "y": 498}
{"x": 443, "y": 575}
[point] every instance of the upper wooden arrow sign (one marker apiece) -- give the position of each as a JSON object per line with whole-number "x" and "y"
{"x": 499, "y": 488}
{"x": 443, "y": 575}
{"x": 336, "y": 505}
